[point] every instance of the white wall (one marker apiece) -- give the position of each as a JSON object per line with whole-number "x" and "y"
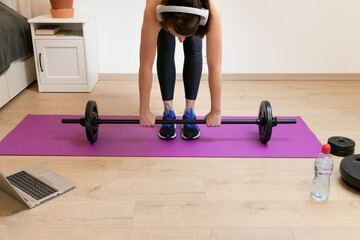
{"x": 259, "y": 36}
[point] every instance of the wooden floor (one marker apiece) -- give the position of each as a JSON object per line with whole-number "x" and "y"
{"x": 190, "y": 198}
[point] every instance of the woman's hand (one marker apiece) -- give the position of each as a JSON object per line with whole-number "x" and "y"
{"x": 213, "y": 119}
{"x": 147, "y": 119}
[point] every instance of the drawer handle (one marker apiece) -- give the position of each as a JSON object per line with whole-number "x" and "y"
{"x": 40, "y": 62}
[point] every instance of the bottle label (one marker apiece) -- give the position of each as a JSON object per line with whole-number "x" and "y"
{"x": 328, "y": 169}
{"x": 323, "y": 169}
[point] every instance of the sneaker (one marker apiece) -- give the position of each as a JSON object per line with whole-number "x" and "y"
{"x": 167, "y": 131}
{"x": 190, "y": 131}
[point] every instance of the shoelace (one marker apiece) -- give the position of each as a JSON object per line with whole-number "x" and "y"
{"x": 189, "y": 115}
{"x": 169, "y": 115}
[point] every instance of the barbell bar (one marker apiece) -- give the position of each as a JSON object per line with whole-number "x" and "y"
{"x": 265, "y": 121}
{"x": 276, "y": 121}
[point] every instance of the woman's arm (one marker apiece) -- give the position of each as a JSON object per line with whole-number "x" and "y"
{"x": 214, "y": 55}
{"x": 149, "y": 33}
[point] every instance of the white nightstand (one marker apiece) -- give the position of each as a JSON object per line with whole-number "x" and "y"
{"x": 66, "y": 63}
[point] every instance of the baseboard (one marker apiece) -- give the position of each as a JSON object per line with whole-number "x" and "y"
{"x": 252, "y": 77}
{"x": 293, "y": 76}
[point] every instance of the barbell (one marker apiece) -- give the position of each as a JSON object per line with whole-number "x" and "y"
{"x": 265, "y": 121}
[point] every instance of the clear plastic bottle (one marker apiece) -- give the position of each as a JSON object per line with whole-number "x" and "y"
{"x": 323, "y": 168}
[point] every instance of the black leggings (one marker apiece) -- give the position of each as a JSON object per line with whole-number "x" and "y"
{"x": 166, "y": 65}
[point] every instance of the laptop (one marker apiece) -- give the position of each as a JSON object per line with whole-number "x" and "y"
{"x": 34, "y": 185}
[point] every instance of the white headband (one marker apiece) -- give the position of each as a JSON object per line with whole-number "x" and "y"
{"x": 203, "y": 13}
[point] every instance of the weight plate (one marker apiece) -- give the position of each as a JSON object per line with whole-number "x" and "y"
{"x": 350, "y": 171}
{"x": 266, "y": 121}
{"x": 341, "y": 146}
{"x": 91, "y": 116}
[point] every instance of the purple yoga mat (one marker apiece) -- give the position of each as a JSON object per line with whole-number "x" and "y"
{"x": 46, "y": 135}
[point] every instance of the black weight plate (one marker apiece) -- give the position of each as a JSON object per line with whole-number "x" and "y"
{"x": 266, "y": 121}
{"x": 91, "y": 116}
{"x": 350, "y": 171}
{"x": 341, "y": 146}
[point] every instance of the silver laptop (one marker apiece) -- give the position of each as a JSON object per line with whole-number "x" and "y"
{"x": 35, "y": 185}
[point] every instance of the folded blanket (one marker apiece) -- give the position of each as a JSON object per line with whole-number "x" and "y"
{"x": 15, "y": 37}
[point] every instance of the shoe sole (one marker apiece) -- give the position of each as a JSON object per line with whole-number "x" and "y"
{"x": 189, "y": 138}
{"x": 167, "y": 137}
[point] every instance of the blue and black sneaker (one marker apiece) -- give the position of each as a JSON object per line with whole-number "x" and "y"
{"x": 167, "y": 131}
{"x": 190, "y": 131}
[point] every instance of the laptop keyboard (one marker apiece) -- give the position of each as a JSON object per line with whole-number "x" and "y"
{"x": 30, "y": 185}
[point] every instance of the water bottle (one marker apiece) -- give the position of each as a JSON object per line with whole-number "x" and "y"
{"x": 323, "y": 168}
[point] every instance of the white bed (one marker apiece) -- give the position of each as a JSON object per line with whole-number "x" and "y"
{"x": 22, "y": 71}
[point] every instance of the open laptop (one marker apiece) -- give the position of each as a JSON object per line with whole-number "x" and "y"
{"x": 35, "y": 185}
